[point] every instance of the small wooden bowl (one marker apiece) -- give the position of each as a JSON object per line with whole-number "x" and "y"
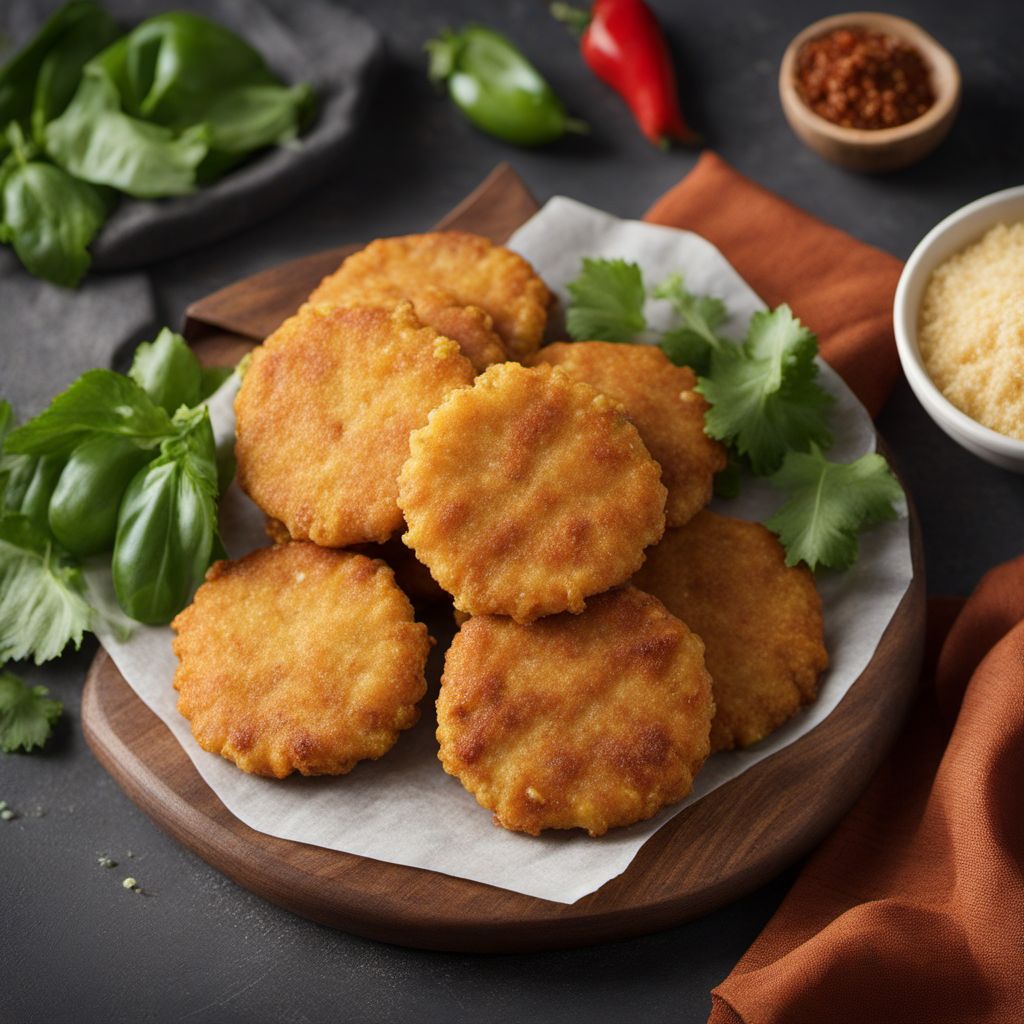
{"x": 884, "y": 149}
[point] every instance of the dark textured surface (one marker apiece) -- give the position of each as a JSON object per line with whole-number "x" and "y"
{"x": 77, "y": 947}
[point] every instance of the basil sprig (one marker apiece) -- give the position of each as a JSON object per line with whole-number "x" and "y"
{"x": 125, "y": 465}
{"x": 86, "y": 113}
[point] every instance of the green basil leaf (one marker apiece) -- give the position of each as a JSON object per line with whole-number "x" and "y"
{"x": 35, "y": 503}
{"x": 251, "y": 118}
{"x": 211, "y": 379}
{"x": 171, "y": 68}
{"x": 167, "y": 525}
{"x": 26, "y": 481}
{"x": 181, "y": 70}
{"x": 255, "y": 116}
{"x": 99, "y": 402}
{"x": 15, "y": 470}
{"x": 39, "y": 80}
{"x": 61, "y": 69}
{"x": 42, "y": 604}
{"x": 96, "y": 141}
{"x": 50, "y": 219}
{"x": 6, "y": 420}
{"x": 82, "y": 512}
{"x": 168, "y": 371}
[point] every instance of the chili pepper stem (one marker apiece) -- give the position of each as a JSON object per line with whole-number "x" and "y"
{"x": 574, "y": 18}
{"x": 575, "y": 126}
{"x": 689, "y": 139}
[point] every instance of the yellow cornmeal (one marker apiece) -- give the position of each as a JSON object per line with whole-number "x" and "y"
{"x": 971, "y": 329}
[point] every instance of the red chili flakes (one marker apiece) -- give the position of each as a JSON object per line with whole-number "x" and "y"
{"x": 857, "y": 78}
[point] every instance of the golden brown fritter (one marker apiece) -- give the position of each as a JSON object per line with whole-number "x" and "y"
{"x": 411, "y": 575}
{"x": 660, "y": 400}
{"x": 470, "y": 326}
{"x": 444, "y": 269}
{"x": 529, "y": 492}
{"x": 324, "y": 414}
{"x": 759, "y": 619}
{"x": 299, "y": 658}
{"x": 576, "y": 721}
{"x": 276, "y": 531}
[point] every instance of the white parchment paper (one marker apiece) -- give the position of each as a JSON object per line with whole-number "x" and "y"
{"x": 404, "y": 808}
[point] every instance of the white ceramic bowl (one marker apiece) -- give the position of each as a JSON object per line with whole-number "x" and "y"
{"x": 958, "y": 230}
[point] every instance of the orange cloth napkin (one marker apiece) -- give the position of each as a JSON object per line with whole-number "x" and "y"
{"x": 840, "y": 288}
{"x": 913, "y": 909}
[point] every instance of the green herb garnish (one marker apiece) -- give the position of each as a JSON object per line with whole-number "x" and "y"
{"x": 828, "y": 503}
{"x": 695, "y": 339}
{"x": 107, "y": 468}
{"x": 161, "y": 111}
{"x": 607, "y": 301}
{"x": 764, "y": 394}
{"x": 766, "y": 405}
{"x": 42, "y": 601}
{"x": 27, "y": 716}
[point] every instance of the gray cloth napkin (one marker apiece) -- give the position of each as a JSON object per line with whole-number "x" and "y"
{"x": 49, "y": 335}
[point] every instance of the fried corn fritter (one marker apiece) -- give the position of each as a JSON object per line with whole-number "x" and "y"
{"x": 529, "y": 492}
{"x": 759, "y": 619}
{"x": 576, "y": 721}
{"x": 299, "y": 658}
{"x": 411, "y": 575}
{"x": 277, "y": 531}
{"x": 470, "y": 326}
{"x": 446, "y": 269}
{"x": 660, "y": 399}
{"x": 324, "y": 414}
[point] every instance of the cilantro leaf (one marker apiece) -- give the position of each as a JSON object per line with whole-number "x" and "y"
{"x": 26, "y": 714}
{"x": 765, "y": 397}
{"x": 42, "y": 606}
{"x": 99, "y": 402}
{"x": 829, "y": 503}
{"x": 692, "y": 343}
{"x": 607, "y": 301}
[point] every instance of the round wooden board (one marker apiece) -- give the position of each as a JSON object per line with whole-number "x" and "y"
{"x": 730, "y": 842}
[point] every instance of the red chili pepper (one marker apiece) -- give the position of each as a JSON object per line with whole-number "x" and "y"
{"x": 623, "y": 45}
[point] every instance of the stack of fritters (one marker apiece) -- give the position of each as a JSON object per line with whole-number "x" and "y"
{"x": 600, "y": 656}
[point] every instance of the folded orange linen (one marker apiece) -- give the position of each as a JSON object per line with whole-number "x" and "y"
{"x": 913, "y": 909}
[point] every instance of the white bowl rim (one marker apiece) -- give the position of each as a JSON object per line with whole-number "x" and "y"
{"x": 906, "y": 343}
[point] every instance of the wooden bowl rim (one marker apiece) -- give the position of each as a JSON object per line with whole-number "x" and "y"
{"x": 946, "y": 80}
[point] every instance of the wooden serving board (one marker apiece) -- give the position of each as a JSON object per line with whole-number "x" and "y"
{"x": 710, "y": 854}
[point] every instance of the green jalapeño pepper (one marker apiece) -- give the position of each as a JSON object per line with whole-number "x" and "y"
{"x": 83, "y": 509}
{"x": 497, "y": 88}
{"x": 167, "y": 524}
